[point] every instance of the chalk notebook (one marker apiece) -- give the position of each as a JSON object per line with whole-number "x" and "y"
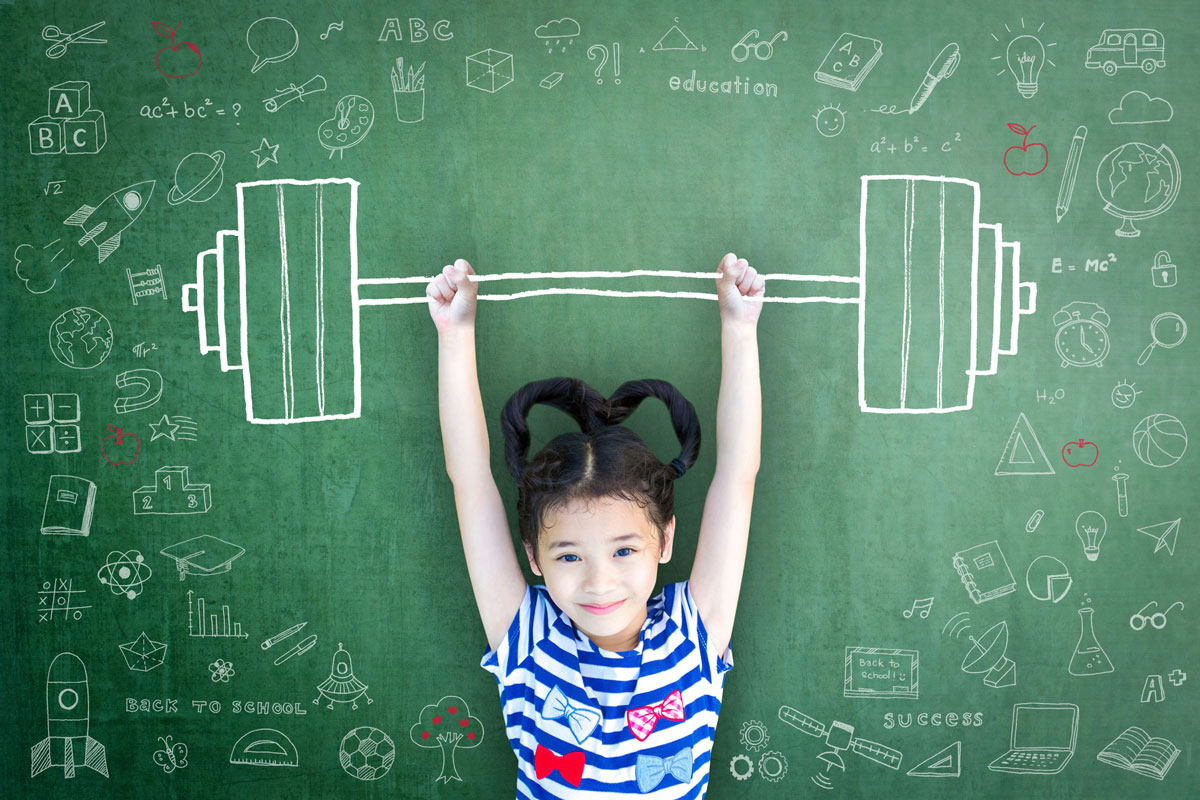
{"x": 69, "y": 505}
{"x": 984, "y": 572}
{"x": 1137, "y": 751}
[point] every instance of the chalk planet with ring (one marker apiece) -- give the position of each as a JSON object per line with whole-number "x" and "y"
{"x": 191, "y": 173}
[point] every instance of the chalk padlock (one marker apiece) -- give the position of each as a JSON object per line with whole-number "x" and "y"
{"x": 1163, "y": 271}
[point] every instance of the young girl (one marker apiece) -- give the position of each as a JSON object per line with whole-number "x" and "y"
{"x": 605, "y": 690}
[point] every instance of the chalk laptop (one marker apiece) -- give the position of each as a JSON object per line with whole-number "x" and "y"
{"x": 1043, "y": 739}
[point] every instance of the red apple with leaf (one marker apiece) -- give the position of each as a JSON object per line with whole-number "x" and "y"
{"x": 1029, "y": 154}
{"x": 180, "y": 59}
{"x": 1075, "y": 454}
{"x": 121, "y": 447}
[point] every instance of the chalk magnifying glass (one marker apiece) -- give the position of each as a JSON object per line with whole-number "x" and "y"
{"x": 1166, "y": 330}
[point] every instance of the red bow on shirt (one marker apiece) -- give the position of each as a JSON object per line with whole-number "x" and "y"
{"x": 642, "y": 720}
{"x": 570, "y": 765}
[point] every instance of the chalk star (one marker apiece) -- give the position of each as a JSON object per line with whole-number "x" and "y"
{"x": 265, "y": 152}
{"x": 1177, "y": 677}
{"x": 164, "y": 427}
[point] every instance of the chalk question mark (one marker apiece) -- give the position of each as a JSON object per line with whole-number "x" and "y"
{"x": 603, "y": 51}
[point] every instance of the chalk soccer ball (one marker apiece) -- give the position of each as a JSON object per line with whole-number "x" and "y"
{"x": 367, "y": 753}
{"x": 1160, "y": 440}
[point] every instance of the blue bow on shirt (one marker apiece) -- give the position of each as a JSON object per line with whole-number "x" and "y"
{"x": 651, "y": 769}
{"x": 581, "y": 719}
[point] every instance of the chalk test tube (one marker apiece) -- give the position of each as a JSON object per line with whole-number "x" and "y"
{"x": 938, "y": 292}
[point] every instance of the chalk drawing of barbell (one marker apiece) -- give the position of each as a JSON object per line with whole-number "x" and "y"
{"x": 939, "y": 296}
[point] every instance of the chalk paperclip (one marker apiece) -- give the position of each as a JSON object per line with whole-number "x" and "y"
{"x": 293, "y": 92}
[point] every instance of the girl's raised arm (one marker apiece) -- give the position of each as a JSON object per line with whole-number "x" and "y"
{"x": 496, "y": 575}
{"x": 716, "y": 578}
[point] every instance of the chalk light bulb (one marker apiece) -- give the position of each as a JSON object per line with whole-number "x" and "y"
{"x": 1090, "y": 527}
{"x": 1026, "y": 56}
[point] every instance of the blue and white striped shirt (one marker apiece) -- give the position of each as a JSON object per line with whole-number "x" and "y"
{"x": 601, "y": 724}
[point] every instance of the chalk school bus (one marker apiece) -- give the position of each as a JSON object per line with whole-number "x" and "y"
{"x": 1119, "y": 48}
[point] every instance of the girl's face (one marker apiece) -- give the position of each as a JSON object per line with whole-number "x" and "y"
{"x": 600, "y": 562}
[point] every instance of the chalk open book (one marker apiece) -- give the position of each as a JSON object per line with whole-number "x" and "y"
{"x": 1137, "y": 751}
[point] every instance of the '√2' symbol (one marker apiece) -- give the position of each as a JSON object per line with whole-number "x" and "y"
{"x": 148, "y": 380}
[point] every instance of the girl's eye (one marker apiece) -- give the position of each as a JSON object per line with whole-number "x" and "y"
{"x": 628, "y": 550}
{"x": 569, "y": 558}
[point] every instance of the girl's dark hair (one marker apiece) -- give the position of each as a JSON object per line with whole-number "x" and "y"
{"x": 605, "y": 459}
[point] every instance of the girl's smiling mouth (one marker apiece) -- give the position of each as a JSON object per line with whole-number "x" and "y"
{"x": 602, "y": 609}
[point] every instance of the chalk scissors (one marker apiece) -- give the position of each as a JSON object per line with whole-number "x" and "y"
{"x": 52, "y": 33}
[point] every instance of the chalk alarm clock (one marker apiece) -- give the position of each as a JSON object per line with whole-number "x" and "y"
{"x": 1082, "y": 336}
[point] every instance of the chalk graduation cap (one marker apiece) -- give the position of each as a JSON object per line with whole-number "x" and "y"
{"x": 203, "y": 555}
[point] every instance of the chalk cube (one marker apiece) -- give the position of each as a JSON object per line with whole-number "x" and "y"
{"x": 86, "y": 133}
{"x": 490, "y": 70}
{"x": 45, "y": 136}
{"x": 69, "y": 99}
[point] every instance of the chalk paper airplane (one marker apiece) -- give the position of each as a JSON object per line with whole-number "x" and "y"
{"x": 945, "y": 763}
{"x": 1018, "y": 457}
{"x": 1165, "y": 533}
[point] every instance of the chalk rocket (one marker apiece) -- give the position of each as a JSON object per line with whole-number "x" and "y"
{"x": 67, "y": 743}
{"x": 104, "y": 223}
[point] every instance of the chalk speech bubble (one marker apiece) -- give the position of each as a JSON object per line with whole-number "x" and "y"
{"x": 271, "y": 40}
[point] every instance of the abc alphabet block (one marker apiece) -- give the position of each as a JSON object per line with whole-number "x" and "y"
{"x": 85, "y": 134}
{"x": 69, "y": 99}
{"x": 45, "y": 136}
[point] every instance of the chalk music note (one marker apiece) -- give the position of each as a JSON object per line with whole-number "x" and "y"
{"x": 333, "y": 26}
{"x": 924, "y": 606}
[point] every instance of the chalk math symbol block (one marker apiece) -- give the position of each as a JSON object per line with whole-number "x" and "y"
{"x": 172, "y": 493}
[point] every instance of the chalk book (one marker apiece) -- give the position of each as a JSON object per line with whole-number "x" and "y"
{"x": 984, "y": 572}
{"x": 849, "y": 61}
{"x": 1136, "y": 751}
{"x": 69, "y": 505}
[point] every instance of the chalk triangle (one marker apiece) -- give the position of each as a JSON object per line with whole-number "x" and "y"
{"x": 674, "y": 39}
{"x": 1165, "y": 532}
{"x": 1023, "y": 453}
{"x": 945, "y": 763}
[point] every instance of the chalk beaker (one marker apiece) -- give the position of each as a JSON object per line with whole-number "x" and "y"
{"x": 1089, "y": 657}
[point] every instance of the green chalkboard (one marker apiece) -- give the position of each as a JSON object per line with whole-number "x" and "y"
{"x": 975, "y": 225}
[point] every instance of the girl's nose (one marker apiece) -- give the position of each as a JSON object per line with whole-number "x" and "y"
{"x": 598, "y": 578}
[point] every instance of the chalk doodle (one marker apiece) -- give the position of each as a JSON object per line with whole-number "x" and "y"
{"x": 366, "y": 753}
{"x": 59, "y": 596}
{"x": 172, "y": 756}
{"x": 271, "y": 40}
{"x": 1024, "y": 58}
{"x": 182, "y": 56}
{"x": 70, "y": 502}
{"x": 68, "y": 743}
{"x": 125, "y": 573}
{"x": 558, "y": 29}
{"x": 203, "y": 625}
{"x": 447, "y": 724}
{"x": 143, "y": 653}
{"x": 62, "y": 40}
{"x": 165, "y": 109}
{"x": 51, "y": 423}
{"x": 341, "y": 686}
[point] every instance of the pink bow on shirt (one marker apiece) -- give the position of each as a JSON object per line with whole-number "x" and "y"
{"x": 642, "y": 720}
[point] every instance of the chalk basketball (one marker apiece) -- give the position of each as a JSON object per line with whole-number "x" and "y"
{"x": 1160, "y": 440}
